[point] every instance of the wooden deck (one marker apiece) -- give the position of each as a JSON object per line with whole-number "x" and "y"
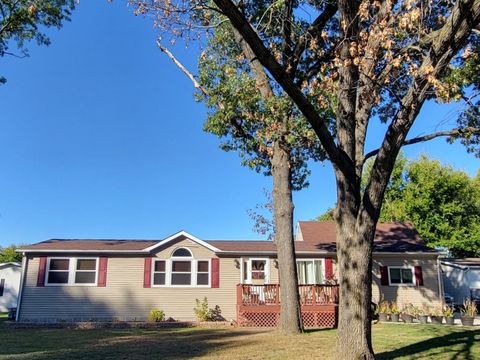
{"x": 259, "y": 305}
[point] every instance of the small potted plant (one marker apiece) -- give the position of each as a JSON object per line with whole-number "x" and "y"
{"x": 469, "y": 312}
{"x": 394, "y": 311}
{"x": 383, "y": 310}
{"x": 408, "y": 313}
{"x": 437, "y": 316}
{"x": 423, "y": 314}
{"x": 448, "y": 313}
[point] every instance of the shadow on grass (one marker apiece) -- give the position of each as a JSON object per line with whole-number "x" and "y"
{"x": 122, "y": 344}
{"x": 457, "y": 345}
{"x": 315, "y": 330}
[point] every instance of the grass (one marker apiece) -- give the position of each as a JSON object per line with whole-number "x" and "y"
{"x": 391, "y": 341}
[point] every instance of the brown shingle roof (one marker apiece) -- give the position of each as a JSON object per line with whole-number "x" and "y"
{"x": 389, "y": 237}
{"x": 92, "y": 245}
{"x": 317, "y": 237}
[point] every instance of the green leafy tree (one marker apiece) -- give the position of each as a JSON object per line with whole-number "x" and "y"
{"x": 365, "y": 60}
{"x": 442, "y": 203}
{"x": 270, "y": 135}
{"x": 9, "y": 254}
{"x": 24, "y": 20}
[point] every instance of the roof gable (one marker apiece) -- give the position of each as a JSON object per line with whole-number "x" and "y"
{"x": 182, "y": 234}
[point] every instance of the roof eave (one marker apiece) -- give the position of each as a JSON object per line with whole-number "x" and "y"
{"x": 82, "y": 251}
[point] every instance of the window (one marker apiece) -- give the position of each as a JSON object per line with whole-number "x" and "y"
{"x": 72, "y": 271}
{"x": 58, "y": 271}
{"x": 254, "y": 271}
{"x": 399, "y": 275}
{"x": 310, "y": 271}
{"x": 182, "y": 252}
{"x": 159, "y": 272}
{"x": 202, "y": 273}
{"x": 181, "y": 270}
{"x": 2, "y": 286}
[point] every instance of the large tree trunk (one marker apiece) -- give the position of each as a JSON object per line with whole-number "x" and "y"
{"x": 290, "y": 314}
{"x": 354, "y": 249}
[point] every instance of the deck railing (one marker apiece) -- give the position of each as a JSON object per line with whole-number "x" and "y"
{"x": 269, "y": 294}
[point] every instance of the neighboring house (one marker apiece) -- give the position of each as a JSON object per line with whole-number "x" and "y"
{"x": 461, "y": 278}
{"x": 9, "y": 283}
{"x": 125, "y": 279}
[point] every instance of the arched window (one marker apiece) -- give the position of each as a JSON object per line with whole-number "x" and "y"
{"x": 182, "y": 252}
{"x": 182, "y": 269}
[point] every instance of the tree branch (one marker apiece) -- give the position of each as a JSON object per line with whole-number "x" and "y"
{"x": 266, "y": 58}
{"x": 451, "y": 37}
{"x": 460, "y": 132}
{"x": 233, "y": 121}
{"x": 167, "y": 52}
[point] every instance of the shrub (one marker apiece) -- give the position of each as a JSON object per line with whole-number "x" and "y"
{"x": 411, "y": 310}
{"x": 469, "y": 308}
{"x": 156, "y": 315}
{"x": 448, "y": 311}
{"x": 394, "y": 309}
{"x": 384, "y": 307}
{"x": 201, "y": 310}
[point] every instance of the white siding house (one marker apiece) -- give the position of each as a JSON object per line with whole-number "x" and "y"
{"x": 9, "y": 284}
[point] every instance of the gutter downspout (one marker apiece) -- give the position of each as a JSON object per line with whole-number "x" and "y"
{"x": 440, "y": 282}
{"x": 22, "y": 282}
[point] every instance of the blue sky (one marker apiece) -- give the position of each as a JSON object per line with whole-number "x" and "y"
{"x": 100, "y": 137}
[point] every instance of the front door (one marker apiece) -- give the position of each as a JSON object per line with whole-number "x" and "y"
{"x": 255, "y": 271}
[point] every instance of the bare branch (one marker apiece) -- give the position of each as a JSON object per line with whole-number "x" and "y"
{"x": 460, "y": 132}
{"x": 167, "y": 52}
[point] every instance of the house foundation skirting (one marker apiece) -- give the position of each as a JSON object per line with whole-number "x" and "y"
{"x": 269, "y": 315}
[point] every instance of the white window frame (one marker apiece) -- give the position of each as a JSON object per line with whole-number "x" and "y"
{"x": 159, "y": 272}
{"x": 314, "y": 272}
{"x": 72, "y": 269}
{"x": 249, "y": 260}
{"x": 193, "y": 267}
{"x": 411, "y": 268}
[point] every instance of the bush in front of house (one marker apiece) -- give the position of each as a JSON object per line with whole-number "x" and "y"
{"x": 469, "y": 312}
{"x": 448, "y": 312}
{"x": 156, "y": 315}
{"x": 204, "y": 313}
{"x": 383, "y": 310}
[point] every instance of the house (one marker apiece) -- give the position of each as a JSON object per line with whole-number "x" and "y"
{"x": 9, "y": 283}
{"x": 461, "y": 278}
{"x": 125, "y": 279}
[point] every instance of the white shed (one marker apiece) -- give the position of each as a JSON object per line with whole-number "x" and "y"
{"x": 10, "y": 274}
{"x": 460, "y": 276}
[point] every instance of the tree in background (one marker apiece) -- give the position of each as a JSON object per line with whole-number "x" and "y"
{"x": 260, "y": 122}
{"x": 442, "y": 203}
{"x": 378, "y": 60}
{"x": 24, "y": 20}
{"x": 9, "y": 254}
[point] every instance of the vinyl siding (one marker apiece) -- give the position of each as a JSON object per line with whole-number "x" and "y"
{"x": 11, "y": 276}
{"x": 124, "y": 297}
{"x": 428, "y": 294}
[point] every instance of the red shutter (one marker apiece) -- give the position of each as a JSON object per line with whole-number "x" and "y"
{"x": 102, "y": 271}
{"x": 147, "y": 273}
{"x": 42, "y": 266}
{"x": 328, "y": 269}
{"x": 418, "y": 276}
{"x": 384, "y": 275}
{"x": 215, "y": 283}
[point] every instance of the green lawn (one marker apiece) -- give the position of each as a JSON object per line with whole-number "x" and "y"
{"x": 391, "y": 341}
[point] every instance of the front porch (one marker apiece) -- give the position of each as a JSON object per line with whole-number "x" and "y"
{"x": 259, "y": 305}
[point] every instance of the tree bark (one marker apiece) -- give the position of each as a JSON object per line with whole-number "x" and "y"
{"x": 354, "y": 250}
{"x": 290, "y": 311}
